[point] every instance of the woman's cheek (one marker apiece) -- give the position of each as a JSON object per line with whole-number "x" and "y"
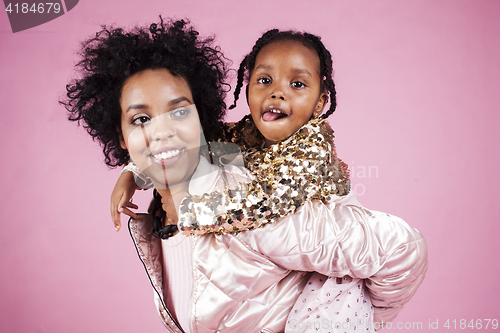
{"x": 190, "y": 132}
{"x": 136, "y": 144}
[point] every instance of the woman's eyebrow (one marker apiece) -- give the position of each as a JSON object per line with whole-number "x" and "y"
{"x": 137, "y": 107}
{"x": 179, "y": 100}
{"x": 172, "y": 102}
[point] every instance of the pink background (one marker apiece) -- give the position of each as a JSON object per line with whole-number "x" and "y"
{"x": 418, "y": 101}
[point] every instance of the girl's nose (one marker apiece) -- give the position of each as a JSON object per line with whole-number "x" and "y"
{"x": 278, "y": 91}
{"x": 278, "y": 94}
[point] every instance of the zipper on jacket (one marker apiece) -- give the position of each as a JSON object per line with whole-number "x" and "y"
{"x": 152, "y": 285}
{"x": 191, "y": 307}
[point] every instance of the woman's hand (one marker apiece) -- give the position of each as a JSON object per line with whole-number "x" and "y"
{"x": 121, "y": 198}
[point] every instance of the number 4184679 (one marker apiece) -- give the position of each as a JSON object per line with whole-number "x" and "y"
{"x": 472, "y": 324}
{"x": 36, "y": 8}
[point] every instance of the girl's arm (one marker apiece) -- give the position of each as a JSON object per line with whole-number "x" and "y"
{"x": 129, "y": 181}
{"x": 337, "y": 239}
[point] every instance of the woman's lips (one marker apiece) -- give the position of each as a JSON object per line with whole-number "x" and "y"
{"x": 273, "y": 113}
{"x": 166, "y": 156}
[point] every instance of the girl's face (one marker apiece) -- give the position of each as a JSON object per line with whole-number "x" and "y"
{"x": 284, "y": 89}
{"x": 160, "y": 126}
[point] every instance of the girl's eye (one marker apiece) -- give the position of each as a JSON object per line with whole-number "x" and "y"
{"x": 264, "y": 80}
{"x": 298, "y": 84}
{"x": 180, "y": 113}
{"x": 140, "y": 120}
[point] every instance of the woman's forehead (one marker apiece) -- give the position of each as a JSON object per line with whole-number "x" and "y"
{"x": 153, "y": 84}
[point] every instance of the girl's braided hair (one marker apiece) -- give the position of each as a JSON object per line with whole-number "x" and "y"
{"x": 114, "y": 55}
{"x": 309, "y": 40}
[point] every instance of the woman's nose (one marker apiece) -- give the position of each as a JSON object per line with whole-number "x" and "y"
{"x": 163, "y": 131}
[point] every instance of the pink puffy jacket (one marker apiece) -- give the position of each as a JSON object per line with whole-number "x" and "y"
{"x": 249, "y": 282}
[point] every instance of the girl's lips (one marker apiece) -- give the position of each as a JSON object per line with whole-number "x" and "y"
{"x": 272, "y": 113}
{"x": 166, "y": 156}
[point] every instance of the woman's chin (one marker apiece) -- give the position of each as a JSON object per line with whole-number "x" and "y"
{"x": 176, "y": 174}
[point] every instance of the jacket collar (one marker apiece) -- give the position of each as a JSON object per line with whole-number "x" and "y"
{"x": 203, "y": 177}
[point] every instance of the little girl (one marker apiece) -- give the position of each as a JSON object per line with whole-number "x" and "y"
{"x": 290, "y": 149}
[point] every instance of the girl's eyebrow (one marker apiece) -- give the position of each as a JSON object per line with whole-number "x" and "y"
{"x": 301, "y": 71}
{"x": 264, "y": 67}
{"x": 295, "y": 70}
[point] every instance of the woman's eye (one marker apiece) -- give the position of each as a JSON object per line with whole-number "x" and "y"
{"x": 264, "y": 80}
{"x": 179, "y": 113}
{"x": 298, "y": 84}
{"x": 140, "y": 120}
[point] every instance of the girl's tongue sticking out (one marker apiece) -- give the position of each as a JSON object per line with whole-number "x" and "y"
{"x": 273, "y": 113}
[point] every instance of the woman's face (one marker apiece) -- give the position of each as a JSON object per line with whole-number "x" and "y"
{"x": 160, "y": 126}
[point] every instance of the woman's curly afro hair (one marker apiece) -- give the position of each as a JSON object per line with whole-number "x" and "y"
{"x": 113, "y": 55}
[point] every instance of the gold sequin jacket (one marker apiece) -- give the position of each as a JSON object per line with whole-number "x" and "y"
{"x": 249, "y": 281}
{"x": 289, "y": 173}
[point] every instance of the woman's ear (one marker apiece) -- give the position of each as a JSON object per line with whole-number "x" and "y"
{"x": 246, "y": 92}
{"x": 320, "y": 105}
{"x": 122, "y": 141}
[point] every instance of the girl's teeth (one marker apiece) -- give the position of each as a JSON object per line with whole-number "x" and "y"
{"x": 165, "y": 155}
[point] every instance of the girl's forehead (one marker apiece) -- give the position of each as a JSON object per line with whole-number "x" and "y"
{"x": 288, "y": 43}
{"x": 281, "y": 51}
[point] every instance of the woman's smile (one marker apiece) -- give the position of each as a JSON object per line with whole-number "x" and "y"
{"x": 167, "y": 156}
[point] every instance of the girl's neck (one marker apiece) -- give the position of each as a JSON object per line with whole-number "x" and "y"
{"x": 268, "y": 143}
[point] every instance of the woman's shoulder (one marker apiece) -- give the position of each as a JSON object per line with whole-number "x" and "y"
{"x": 211, "y": 177}
{"x": 231, "y": 175}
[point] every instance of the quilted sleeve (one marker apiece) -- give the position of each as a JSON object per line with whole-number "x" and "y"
{"x": 141, "y": 180}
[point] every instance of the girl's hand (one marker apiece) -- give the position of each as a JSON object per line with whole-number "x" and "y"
{"x": 121, "y": 198}
{"x": 170, "y": 204}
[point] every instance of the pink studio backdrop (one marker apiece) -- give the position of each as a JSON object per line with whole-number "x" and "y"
{"x": 417, "y": 121}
